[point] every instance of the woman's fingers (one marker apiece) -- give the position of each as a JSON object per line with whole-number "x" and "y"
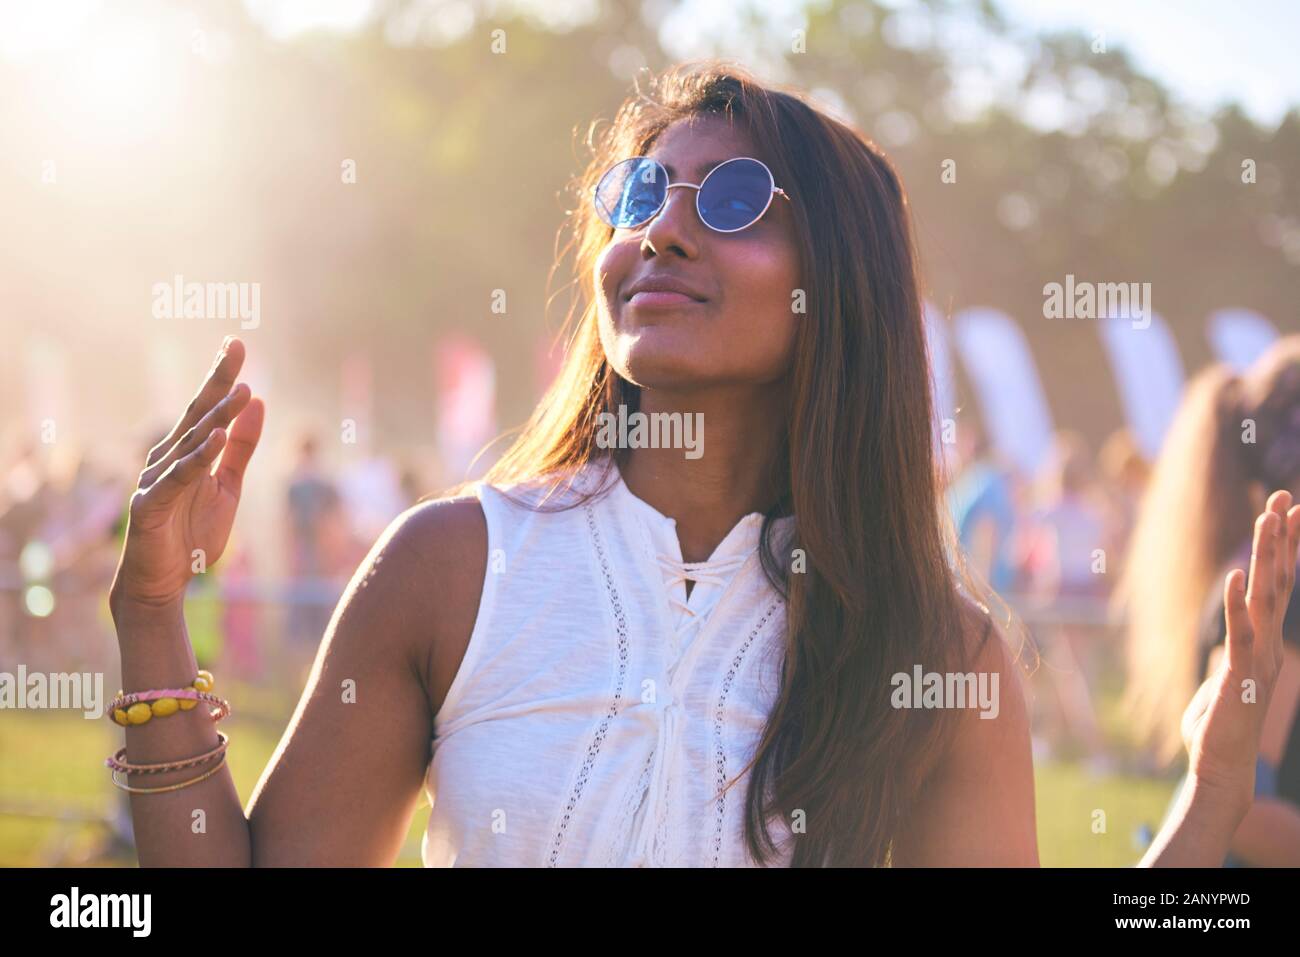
{"x": 1261, "y": 592}
{"x": 219, "y": 416}
{"x": 1289, "y": 556}
{"x": 1293, "y": 541}
{"x": 1221, "y": 726}
{"x": 239, "y": 449}
{"x": 1279, "y": 502}
{"x": 217, "y": 384}
{"x": 1272, "y": 579}
{"x": 1286, "y": 548}
{"x": 182, "y": 473}
{"x": 1241, "y": 631}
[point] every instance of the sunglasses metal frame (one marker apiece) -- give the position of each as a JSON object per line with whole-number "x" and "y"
{"x": 776, "y": 190}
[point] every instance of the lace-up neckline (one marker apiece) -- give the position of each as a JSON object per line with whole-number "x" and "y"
{"x": 708, "y": 573}
{"x": 711, "y": 578}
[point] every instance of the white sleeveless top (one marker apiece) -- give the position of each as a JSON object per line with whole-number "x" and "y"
{"x": 598, "y": 711}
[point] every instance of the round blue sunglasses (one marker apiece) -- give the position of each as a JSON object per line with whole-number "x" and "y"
{"x": 734, "y": 196}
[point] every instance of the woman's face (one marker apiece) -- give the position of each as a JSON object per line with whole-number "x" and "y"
{"x": 738, "y": 325}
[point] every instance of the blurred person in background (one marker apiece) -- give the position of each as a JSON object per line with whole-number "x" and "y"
{"x": 77, "y": 540}
{"x": 1234, "y": 438}
{"x": 241, "y": 618}
{"x": 1124, "y": 475}
{"x": 316, "y": 519}
{"x": 982, "y": 503}
{"x": 371, "y": 489}
{"x": 414, "y": 479}
{"x": 1063, "y": 555}
{"x": 57, "y": 516}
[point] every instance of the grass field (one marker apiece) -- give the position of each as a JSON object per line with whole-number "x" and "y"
{"x": 52, "y": 763}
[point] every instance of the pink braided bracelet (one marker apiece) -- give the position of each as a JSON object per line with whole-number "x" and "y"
{"x": 118, "y": 760}
{"x": 222, "y": 709}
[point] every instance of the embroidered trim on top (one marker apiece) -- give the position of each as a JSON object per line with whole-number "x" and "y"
{"x": 719, "y": 750}
{"x": 660, "y": 849}
{"x": 635, "y": 798}
{"x": 620, "y": 623}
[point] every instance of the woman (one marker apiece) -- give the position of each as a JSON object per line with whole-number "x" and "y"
{"x": 1235, "y": 437}
{"x": 600, "y": 644}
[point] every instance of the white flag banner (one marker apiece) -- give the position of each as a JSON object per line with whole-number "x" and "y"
{"x": 1001, "y": 367}
{"x": 936, "y": 334}
{"x": 1149, "y": 373}
{"x": 1239, "y": 336}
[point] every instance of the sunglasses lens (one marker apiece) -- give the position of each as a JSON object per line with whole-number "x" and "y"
{"x": 630, "y": 192}
{"x": 735, "y": 194}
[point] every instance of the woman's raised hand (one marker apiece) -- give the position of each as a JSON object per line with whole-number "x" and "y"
{"x": 1221, "y": 727}
{"x": 182, "y": 509}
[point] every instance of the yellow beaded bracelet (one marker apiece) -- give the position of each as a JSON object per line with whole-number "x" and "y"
{"x": 140, "y": 712}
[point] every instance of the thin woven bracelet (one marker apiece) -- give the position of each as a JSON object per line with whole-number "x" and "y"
{"x": 125, "y": 701}
{"x": 118, "y": 763}
{"x": 170, "y": 787}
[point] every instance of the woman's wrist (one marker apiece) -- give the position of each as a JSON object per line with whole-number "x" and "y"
{"x": 1212, "y": 815}
{"x": 132, "y": 616}
{"x": 1210, "y": 801}
{"x": 154, "y": 644}
{"x": 1200, "y": 830}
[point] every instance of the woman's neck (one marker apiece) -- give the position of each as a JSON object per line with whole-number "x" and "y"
{"x": 732, "y": 473}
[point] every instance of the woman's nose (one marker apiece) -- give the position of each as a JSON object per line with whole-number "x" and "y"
{"x": 676, "y": 225}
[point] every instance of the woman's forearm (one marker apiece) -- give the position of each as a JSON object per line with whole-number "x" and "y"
{"x": 199, "y": 825}
{"x": 1198, "y": 832}
{"x": 1270, "y": 834}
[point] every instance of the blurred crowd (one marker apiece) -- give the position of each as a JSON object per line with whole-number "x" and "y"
{"x": 1053, "y": 545}
{"x": 1050, "y": 543}
{"x": 1054, "y": 536}
{"x": 62, "y": 522}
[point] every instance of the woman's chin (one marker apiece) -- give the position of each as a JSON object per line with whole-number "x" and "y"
{"x": 658, "y": 359}
{"x": 659, "y": 356}
{"x": 663, "y": 371}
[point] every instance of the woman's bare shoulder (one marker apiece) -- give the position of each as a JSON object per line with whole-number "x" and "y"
{"x": 435, "y": 556}
{"x": 990, "y": 652}
{"x": 442, "y": 535}
{"x": 976, "y": 807}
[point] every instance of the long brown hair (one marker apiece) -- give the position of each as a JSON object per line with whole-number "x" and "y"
{"x": 1230, "y": 431}
{"x": 858, "y": 467}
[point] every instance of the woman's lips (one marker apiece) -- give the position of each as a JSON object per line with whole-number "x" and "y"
{"x": 661, "y": 300}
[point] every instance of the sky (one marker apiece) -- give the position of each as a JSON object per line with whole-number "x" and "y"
{"x": 1207, "y": 51}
